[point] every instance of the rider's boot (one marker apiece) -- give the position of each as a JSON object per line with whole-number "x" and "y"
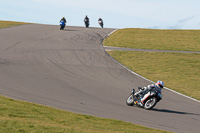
{"x": 138, "y": 103}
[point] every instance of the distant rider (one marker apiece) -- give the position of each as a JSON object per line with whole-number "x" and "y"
{"x": 158, "y": 86}
{"x": 100, "y": 21}
{"x": 64, "y": 20}
{"x": 86, "y": 19}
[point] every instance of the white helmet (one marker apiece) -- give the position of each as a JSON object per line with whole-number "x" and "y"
{"x": 160, "y": 84}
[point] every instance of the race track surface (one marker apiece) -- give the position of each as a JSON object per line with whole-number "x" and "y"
{"x": 69, "y": 70}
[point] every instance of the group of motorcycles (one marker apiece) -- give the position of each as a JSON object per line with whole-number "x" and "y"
{"x": 86, "y": 21}
{"x": 147, "y": 99}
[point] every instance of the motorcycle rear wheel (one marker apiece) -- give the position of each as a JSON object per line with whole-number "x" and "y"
{"x": 150, "y": 103}
{"x": 130, "y": 100}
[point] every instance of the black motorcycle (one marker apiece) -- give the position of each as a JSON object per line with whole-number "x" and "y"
{"x": 87, "y": 23}
{"x": 147, "y": 99}
{"x": 100, "y": 23}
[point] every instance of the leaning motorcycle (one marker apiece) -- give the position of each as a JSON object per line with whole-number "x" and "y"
{"x": 100, "y": 23}
{"x": 147, "y": 99}
{"x": 62, "y": 25}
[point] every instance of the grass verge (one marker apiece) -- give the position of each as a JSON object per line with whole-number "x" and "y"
{"x": 180, "y": 40}
{"x": 5, "y": 24}
{"x": 179, "y": 71}
{"x": 21, "y": 117}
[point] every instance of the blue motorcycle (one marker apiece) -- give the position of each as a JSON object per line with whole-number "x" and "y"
{"x": 62, "y": 25}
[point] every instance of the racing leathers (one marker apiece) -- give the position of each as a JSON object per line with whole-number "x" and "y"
{"x": 86, "y": 20}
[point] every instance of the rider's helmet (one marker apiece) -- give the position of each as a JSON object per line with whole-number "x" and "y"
{"x": 160, "y": 84}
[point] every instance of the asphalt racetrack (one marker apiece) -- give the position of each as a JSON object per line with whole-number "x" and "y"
{"x": 70, "y": 70}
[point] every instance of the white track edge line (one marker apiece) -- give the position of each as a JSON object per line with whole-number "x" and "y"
{"x": 142, "y": 76}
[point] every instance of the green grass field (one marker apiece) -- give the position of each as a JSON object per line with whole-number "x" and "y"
{"x": 179, "y": 71}
{"x": 181, "y": 40}
{"x": 23, "y": 117}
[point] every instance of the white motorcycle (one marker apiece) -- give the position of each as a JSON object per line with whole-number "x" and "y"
{"x": 147, "y": 99}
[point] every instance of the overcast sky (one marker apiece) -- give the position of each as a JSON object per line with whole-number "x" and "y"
{"x": 157, "y": 14}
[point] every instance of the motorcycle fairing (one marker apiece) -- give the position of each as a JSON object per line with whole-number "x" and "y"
{"x": 145, "y": 97}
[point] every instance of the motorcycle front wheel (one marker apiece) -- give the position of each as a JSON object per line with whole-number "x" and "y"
{"x": 150, "y": 103}
{"x": 62, "y": 27}
{"x": 130, "y": 100}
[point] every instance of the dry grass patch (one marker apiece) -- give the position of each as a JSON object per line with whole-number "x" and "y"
{"x": 5, "y": 24}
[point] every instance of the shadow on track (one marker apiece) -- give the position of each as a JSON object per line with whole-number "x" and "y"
{"x": 172, "y": 111}
{"x": 69, "y": 30}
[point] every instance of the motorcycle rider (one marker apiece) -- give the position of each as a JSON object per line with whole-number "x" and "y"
{"x": 62, "y": 23}
{"x": 63, "y": 19}
{"x": 86, "y": 20}
{"x": 158, "y": 86}
{"x": 100, "y": 21}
